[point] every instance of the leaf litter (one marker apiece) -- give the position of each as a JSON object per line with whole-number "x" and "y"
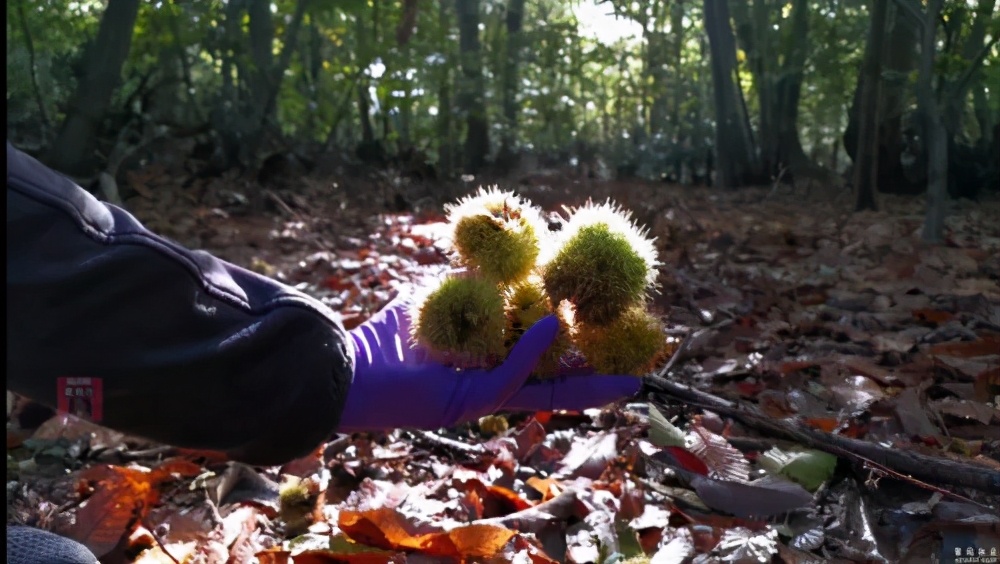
{"x": 837, "y": 323}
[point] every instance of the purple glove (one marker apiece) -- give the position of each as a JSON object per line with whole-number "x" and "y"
{"x": 396, "y": 386}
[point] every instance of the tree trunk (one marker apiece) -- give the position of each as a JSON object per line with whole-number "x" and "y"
{"x": 866, "y": 163}
{"x": 753, "y": 30}
{"x": 364, "y": 109}
{"x": 194, "y": 111}
{"x": 290, "y": 42}
{"x": 261, "y": 33}
{"x": 445, "y": 131}
{"x": 228, "y": 118}
{"x": 678, "y": 75}
{"x": 515, "y": 42}
{"x": 788, "y": 92}
{"x": 737, "y": 161}
{"x": 472, "y": 87}
{"x": 658, "y": 45}
{"x": 29, "y": 43}
{"x": 73, "y": 149}
{"x": 934, "y": 129}
{"x": 779, "y": 85}
{"x": 956, "y": 101}
{"x": 899, "y": 61}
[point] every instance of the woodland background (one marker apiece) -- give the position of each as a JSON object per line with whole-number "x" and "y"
{"x": 733, "y": 93}
{"x": 821, "y": 177}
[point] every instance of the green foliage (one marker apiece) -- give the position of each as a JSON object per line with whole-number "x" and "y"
{"x": 637, "y": 98}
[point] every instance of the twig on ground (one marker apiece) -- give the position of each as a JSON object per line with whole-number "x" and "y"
{"x": 913, "y": 467}
{"x": 282, "y": 205}
{"x": 152, "y": 533}
{"x": 449, "y": 446}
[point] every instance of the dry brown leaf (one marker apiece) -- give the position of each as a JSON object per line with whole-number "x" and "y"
{"x": 967, "y": 410}
{"x": 913, "y": 416}
{"x": 986, "y": 345}
{"x": 987, "y": 384}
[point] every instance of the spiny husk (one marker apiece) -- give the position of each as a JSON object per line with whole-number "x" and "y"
{"x": 526, "y": 304}
{"x": 497, "y": 233}
{"x": 632, "y": 344}
{"x": 603, "y": 263}
{"x": 463, "y": 318}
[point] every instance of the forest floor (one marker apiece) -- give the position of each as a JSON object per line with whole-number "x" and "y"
{"x": 784, "y": 304}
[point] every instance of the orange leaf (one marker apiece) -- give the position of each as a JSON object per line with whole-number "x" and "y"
{"x": 827, "y": 424}
{"x": 548, "y": 487}
{"x": 387, "y": 529}
{"x": 172, "y": 467}
{"x": 478, "y": 541}
{"x": 382, "y": 528}
{"x": 122, "y": 495}
{"x": 274, "y": 556}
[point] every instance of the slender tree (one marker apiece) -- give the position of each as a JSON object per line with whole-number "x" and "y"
{"x": 894, "y": 94}
{"x": 736, "y": 151}
{"x": 866, "y": 162}
{"x": 73, "y": 150}
{"x": 935, "y": 133}
{"x": 472, "y": 87}
{"x": 515, "y": 42}
{"x": 445, "y": 118}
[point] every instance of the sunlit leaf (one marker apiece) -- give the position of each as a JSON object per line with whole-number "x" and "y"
{"x": 662, "y": 432}
{"x": 809, "y": 468}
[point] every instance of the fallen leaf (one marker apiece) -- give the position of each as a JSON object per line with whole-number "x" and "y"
{"x": 663, "y": 433}
{"x": 589, "y": 457}
{"x": 715, "y": 452}
{"x": 966, "y": 409}
{"x": 933, "y": 316}
{"x": 809, "y": 468}
{"x": 913, "y": 417}
{"x": 548, "y": 487}
{"x": 985, "y": 345}
{"x": 121, "y": 497}
{"x": 762, "y": 498}
{"x": 390, "y": 530}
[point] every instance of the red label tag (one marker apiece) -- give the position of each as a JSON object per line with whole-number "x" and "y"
{"x": 83, "y": 397}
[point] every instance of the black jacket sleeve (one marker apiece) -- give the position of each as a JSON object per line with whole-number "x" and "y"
{"x": 157, "y": 340}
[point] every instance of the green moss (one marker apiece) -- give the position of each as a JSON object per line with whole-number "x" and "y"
{"x": 296, "y": 502}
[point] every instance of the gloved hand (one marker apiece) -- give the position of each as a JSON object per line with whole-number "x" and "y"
{"x": 396, "y": 386}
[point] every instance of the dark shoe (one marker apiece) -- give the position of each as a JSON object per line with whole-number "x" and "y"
{"x": 27, "y": 545}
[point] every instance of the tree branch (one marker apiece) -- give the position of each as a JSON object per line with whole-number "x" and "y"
{"x": 906, "y": 463}
{"x": 30, "y": 44}
{"x": 974, "y": 64}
